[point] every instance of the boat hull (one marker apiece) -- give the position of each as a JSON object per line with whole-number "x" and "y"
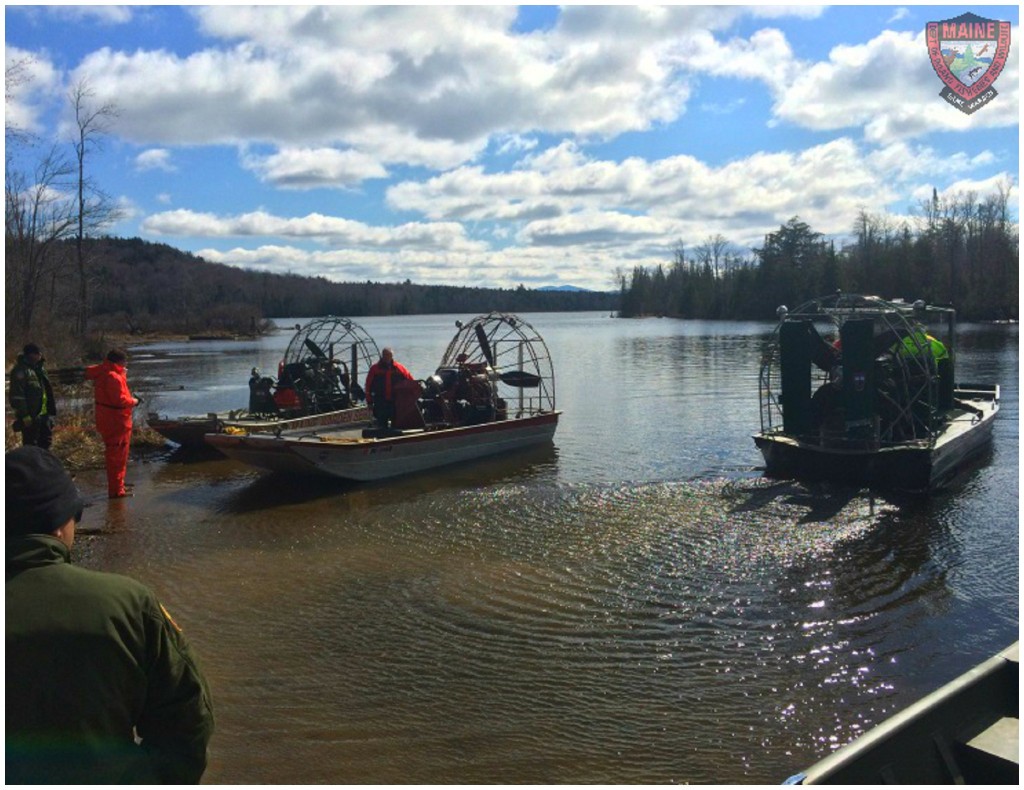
{"x": 184, "y": 431}
{"x": 910, "y": 466}
{"x": 190, "y": 432}
{"x": 353, "y": 457}
{"x": 964, "y": 733}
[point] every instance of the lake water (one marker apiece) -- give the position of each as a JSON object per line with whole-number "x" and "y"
{"x": 634, "y": 604}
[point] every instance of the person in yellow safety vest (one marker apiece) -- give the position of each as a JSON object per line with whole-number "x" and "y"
{"x": 32, "y": 398}
{"x": 913, "y": 347}
{"x": 918, "y": 340}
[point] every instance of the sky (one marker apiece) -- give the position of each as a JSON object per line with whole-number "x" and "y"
{"x": 501, "y": 146}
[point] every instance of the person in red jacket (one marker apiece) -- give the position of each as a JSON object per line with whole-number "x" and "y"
{"x": 114, "y": 404}
{"x": 380, "y": 381}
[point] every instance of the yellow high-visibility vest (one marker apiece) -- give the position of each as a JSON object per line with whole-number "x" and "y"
{"x": 914, "y": 343}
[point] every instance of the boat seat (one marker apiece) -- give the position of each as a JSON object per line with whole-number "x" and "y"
{"x": 1000, "y": 742}
{"x": 388, "y": 433}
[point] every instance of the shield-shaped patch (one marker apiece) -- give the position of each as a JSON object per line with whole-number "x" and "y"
{"x": 968, "y": 53}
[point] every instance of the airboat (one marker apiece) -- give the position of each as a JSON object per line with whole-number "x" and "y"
{"x": 493, "y": 393}
{"x": 861, "y": 390}
{"x": 317, "y": 384}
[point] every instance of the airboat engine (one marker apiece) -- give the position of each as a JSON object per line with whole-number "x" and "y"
{"x": 321, "y": 366}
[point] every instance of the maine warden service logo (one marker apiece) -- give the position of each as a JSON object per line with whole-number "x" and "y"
{"x": 968, "y": 53}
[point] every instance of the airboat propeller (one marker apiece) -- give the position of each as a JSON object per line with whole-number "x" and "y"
{"x": 317, "y": 351}
{"x": 520, "y": 378}
{"x": 496, "y": 322}
{"x": 485, "y": 346}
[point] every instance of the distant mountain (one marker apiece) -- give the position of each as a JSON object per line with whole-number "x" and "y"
{"x": 574, "y": 288}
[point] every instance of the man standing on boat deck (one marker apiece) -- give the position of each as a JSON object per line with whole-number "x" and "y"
{"x": 380, "y": 381}
{"x": 102, "y": 687}
{"x": 114, "y": 404}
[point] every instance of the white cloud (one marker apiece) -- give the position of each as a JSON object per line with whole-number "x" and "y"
{"x": 726, "y": 108}
{"x": 102, "y": 14}
{"x": 424, "y": 86}
{"x": 560, "y": 181}
{"x": 903, "y": 163}
{"x": 335, "y": 231}
{"x": 765, "y": 56}
{"x": 807, "y": 11}
{"x": 888, "y": 87}
{"x": 566, "y": 218}
{"x": 565, "y": 155}
{"x": 559, "y": 197}
{"x": 515, "y": 143}
{"x": 601, "y": 229}
{"x": 126, "y": 211}
{"x": 434, "y": 86}
{"x": 490, "y": 268}
{"x": 978, "y": 187}
{"x": 31, "y": 82}
{"x": 309, "y": 168}
{"x": 155, "y": 159}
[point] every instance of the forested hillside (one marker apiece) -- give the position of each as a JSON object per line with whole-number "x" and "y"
{"x": 963, "y": 251}
{"x": 138, "y": 286}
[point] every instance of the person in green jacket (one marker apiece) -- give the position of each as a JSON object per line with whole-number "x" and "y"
{"x": 101, "y": 687}
{"x": 32, "y": 398}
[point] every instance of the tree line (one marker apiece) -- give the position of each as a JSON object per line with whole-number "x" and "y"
{"x": 143, "y": 287}
{"x": 136, "y": 286}
{"x": 963, "y": 250}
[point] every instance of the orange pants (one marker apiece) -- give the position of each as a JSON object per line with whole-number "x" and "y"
{"x": 116, "y": 455}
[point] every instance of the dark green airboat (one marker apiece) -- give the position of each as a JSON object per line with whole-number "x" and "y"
{"x": 861, "y": 390}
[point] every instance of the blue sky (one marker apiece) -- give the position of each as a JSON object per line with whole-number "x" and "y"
{"x": 497, "y": 146}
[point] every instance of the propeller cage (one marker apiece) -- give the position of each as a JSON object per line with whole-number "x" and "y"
{"x": 511, "y": 355}
{"x": 329, "y": 357}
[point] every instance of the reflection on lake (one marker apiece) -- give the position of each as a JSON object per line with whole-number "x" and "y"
{"x": 635, "y": 603}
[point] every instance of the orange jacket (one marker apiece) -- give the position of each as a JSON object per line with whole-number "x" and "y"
{"x": 114, "y": 401}
{"x": 378, "y": 380}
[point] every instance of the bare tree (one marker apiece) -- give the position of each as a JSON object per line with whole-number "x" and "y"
{"x": 712, "y": 252}
{"x": 39, "y": 212}
{"x": 95, "y": 209}
{"x": 15, "y": 74}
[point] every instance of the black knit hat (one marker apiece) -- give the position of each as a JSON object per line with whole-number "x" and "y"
{"x": 31, "y": 348}
{"x": 41, "y": 495}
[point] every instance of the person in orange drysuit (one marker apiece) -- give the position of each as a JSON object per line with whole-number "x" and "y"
{"x": 114, "y": 404}
{"x": 379, "y": 387}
